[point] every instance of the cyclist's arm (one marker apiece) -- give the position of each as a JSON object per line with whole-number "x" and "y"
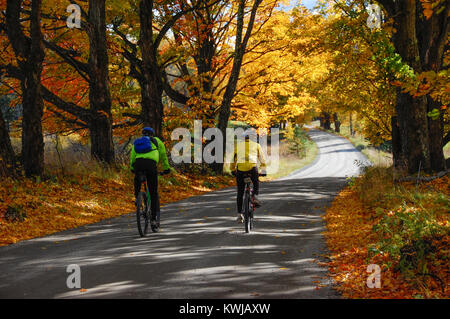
{"x": 162, "y": 155}
{"x": 233, "y": 162}
{"x": 132, "y": 157}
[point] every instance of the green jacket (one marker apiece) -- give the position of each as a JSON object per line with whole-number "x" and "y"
{"x": 158, "y": 153}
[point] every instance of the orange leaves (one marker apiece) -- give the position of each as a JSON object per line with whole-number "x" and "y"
{"x": 350, "y": 233}
{"x": 432, "y": 6}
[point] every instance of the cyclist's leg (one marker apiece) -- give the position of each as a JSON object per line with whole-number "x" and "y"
{"x": 255, "y": 180}
{"x": 240, "y": 190}
{"x": 137, "y": 184}
{"x": 152, "y": 179}
{"x": 139, "y": 166}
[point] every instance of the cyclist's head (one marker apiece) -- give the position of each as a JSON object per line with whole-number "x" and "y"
{"x": 148, "y": 131}
{"x": 249, "y": 134}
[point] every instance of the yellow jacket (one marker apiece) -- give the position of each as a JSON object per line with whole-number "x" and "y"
{"x": 246, "y": 156}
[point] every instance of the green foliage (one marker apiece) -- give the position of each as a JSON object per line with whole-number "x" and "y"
{"x": 15, "y": 213}
{"x": 209, "y": 184}
{"x": 298, "y": 141}
{"x": 407, "y": 236}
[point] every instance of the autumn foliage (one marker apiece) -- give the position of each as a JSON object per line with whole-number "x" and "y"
{"x": 402, "y": 228}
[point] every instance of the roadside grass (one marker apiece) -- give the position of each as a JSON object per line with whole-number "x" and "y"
{"x": 290, "y": 161}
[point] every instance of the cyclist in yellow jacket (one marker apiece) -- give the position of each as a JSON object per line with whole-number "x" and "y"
{"x": 245, "y": 162}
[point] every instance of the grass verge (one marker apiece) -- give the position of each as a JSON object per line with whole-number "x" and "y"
{"x": 291, "y": 160}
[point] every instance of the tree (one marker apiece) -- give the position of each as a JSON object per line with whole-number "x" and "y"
{"x": 29, "y": 54}
{"x": 8, "y": 165}
{"x": 145, "y": 56}
{"x": 420, "y": 40}
{"x": 241, "y": 42}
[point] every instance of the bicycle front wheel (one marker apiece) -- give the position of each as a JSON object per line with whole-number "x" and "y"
{"x": 142, "y": 217}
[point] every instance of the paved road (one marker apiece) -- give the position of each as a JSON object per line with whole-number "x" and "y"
{"x": 201, "y": 251}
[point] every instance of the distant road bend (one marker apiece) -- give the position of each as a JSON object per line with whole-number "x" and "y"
{"x": 201, "y": 252}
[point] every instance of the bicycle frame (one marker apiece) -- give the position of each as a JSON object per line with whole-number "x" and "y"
{"x": 249, "y": 190}
{"x": 143, "y": 180}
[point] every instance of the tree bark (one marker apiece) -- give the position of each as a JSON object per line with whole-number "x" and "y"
{"x": 436, "y": 132}
{"x": 431, "y": 34}
{"x": 151, "y": 86}
{"x": 239, "y": 50}
{"x": 352, "y": 132}
{"x": 102, "y": 146}
{"x": 326, "y": 123}
{"x": 337, "y": 123}
{"x": 397, "y": 154}
{"x": 8, "y": 165}
{"x": 30, "y": 56}
{"x": 420, "y": 42}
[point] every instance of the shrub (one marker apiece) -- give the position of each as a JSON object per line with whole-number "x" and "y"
{"x": 15, "y": 213}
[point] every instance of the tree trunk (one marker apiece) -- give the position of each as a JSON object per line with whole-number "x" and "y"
{"x": 421, "y": 42}
{"x": 396, "y": 145}
{"x": 8, "y": 165}
{"x": 326, "y": 121}
{"x": 102, "y": 146}
{"x": 337, "y": 123}
{"x": 352, "y": 132}
{"x": 413, "y": 128}
{"x": 151, "y": 88}
{"x": 411, "y": 112}
{"x": 30, "y": 55}
{"x": 436, "y": 132}
{"x": 431, "y": 34}
{"x": 239, "y": 50}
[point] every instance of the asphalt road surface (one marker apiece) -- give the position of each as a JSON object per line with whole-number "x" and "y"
{"x": 201, "y": 251}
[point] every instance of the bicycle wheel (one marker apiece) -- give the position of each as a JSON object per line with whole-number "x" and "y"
{"x": 250, "y": 216}
{"x": 142, "y": 214}
{"x": 247, "y": 212}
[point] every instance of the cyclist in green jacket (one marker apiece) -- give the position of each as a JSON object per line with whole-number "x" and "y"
{"x": 146, "y": 153}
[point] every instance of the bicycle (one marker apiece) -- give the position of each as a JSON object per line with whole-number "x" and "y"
{"x": 143, "y": 208}
{"x": 249, "y": 202}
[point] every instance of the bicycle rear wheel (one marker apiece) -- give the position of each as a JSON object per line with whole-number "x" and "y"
{"x": 250, "y": 218}
{"x": 142, "y": 217}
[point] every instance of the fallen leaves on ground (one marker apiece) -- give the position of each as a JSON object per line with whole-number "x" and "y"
{"x": 350, "y": 234}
